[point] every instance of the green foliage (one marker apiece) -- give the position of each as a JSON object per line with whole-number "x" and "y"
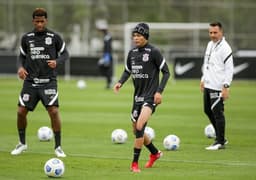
{"x": 89, "y": 116}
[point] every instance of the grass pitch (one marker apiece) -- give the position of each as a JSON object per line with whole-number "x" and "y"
{"x": 90, "y": 115}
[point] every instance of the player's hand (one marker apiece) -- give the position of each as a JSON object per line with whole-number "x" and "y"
{"x": 117, "y": 87}
{"x": 225, "y": 93}
{"x": 202, "y": 86}
{"x": 52, "y": 63}
{"x": 157, "y": 98}
{"x": 22, "y": 73}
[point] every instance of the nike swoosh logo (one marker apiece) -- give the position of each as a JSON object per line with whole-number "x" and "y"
{"x": 181, "y": 69}
{"x": 241, "y": 67}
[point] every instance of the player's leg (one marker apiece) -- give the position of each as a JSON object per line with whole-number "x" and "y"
{"x": 27, "y": 101}
{"x": 207, "y": 108}
{"x": 56, "y": 123}
{"x": 49, "y": 97}
{"x": 139, "y": 127}
{"x": 109, "y": 77}
{"x": 21, "y": 126}
{"x": 53, "y": 112}
{"x": 22, "y": 123}
{"x": 217, "y": 108}
{"x": 218, "y": 111}
{"x": 136, "y": 152}
{"x": 155, "y": 153}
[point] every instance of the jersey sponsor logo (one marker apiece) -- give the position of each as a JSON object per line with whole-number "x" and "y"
{"x": 36, "y": 52}
{"x": 139, "y": 99}
{"x": 40, "y": 56}
{"x": 145, "y": 57}
{"x": 25, "y": 97}
{"x": 182, "y": 69}
{"x": 140, "y": 76}
{"x": 214, "y": 95}
{"x": 36, "y": 48}
{"x": 50, "y": 91}
{"x": 240, "y": 67}
{"x": 37, "y": 80}
{"x": 137, "y": 67}
{"x": 48, "y": 40}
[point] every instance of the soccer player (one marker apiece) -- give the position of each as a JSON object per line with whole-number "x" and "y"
{"x": 215, "y": 82}
{"x": 106, "y": 61}
{"x": 41, "y": 51}
{"x": 144, "y": 63}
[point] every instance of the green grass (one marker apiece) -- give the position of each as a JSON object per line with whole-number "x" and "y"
{"x": 90, "y": 115}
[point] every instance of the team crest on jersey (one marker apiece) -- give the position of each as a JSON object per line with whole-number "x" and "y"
{"x": 48, "y": 40}
{"x": 25, "y": 97}
{"x": 145, "y": 57}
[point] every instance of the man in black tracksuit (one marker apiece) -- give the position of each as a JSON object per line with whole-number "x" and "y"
{"x": 106, "y": 61}
{"x": 144, "y": 63}
{"x": 41, "y": 51}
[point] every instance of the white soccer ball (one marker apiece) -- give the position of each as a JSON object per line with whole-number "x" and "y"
{"x": 119, "y": 136}
{"x": 54, "y": 167}
{"x": 81, "y": 84}
{"x": 44, "y": 133}
{"x": 171, "y": 142}
{"x": 150, "y": 132}
{"x": 209, "y": 131}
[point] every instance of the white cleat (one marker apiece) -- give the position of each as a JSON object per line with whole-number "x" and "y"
{"x": 19, "y": 149}
{"x": 215, "y": 147}
{"x": 59, "y": 152}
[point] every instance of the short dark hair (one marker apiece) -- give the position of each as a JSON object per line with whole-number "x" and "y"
{"x": 39, "y": 12}
{"x": 216, "y": 23}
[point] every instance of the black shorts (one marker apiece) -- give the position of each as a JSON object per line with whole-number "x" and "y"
{"x": 32, "y": 93}
{"x": 136, "y": 109}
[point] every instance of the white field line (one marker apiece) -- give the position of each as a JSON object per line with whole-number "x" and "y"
{"x": 214, "y": 162}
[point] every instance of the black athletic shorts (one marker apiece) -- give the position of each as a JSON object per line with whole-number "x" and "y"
{"x": 32, "y": 93}
{"x": 136, "y": 109}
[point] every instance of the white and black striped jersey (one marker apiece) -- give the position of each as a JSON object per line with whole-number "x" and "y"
{"x": 143, "y": 65}
{"x": 218, "y": 65}
{"x": 38, "y": 47}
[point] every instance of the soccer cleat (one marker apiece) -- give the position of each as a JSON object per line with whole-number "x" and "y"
{"x": 215, "y": 147}
{"x": 135, "y": 167}
{"x": 19, "y": 149}
{"x": 225, "y": 142}
{"x": 153, "y": 158}
{"x": 59, "y": 152}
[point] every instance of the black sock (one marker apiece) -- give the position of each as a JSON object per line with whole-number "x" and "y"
{"x": 136, "y": 154}
{"x": 22, "y": 134}
{"x": 152, "y": 148}
{"x": 57, "y": 138}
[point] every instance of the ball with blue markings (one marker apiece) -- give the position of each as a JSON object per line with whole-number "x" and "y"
{"x": 54, "y": 167}
{"x": 171, "y": 142}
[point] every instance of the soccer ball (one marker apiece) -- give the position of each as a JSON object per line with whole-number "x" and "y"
{"x": 209, "y": 131}
{"x": 44, "y": 133}
{"x": 54, "y": 167}
{"x": 150, "y": 132}
{"x": 171, "y": 142}
{"x": 119, "y": 136}
{"x": 81, "y": 84}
